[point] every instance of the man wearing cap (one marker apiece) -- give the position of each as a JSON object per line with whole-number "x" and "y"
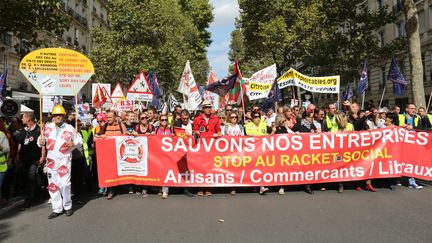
{"x": 60, "y": 139}
{"x": 206, "y": 125}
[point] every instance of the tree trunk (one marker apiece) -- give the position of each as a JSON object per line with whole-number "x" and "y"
{"x": 413, "y": 36}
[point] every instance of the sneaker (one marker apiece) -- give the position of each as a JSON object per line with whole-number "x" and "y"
{"x": 54, "y": 215}
{"x": 322, "y": 189}
{"x": 110, "y": 196}
{"x": 359, "y": 189}
{"x": 200, "y": 193}
{"x": 164, "y": 195}
{"x": 208, "y": 194}
{"x": 370, "y": 188}
{"x": 233, "y": 192}
{"x": 281, "y": 191}
{"x": 263, "y": 190}
{"x": 69, "y": 212}
{"x": 131, "y": 191}
{"x": 49, "y": 201}
{"x": 415, "y": 186}
{"x": 144, "y": 194}
{"x": 188, "y": 193}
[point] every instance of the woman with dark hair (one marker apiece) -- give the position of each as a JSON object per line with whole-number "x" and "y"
{"x": 306, "y": 125}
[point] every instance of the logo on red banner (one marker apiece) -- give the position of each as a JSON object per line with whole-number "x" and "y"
{"x": 62, "y": 170}
{"x": 64, "y": 149}
{"x": 131, "y": 150}
{"x": 66, "y": 135}
{"x": 53, "y": 188}
{"x": 50, "y": 163}
{"x": 50, "y": 144}
{"x": 47, "y": 131}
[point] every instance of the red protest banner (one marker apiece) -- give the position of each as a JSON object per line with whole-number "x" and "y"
{"x": 286, "y": 159}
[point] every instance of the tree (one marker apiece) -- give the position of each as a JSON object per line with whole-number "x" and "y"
{"x": 29, "y": 19}
{"x": 152, "y": 35}
{"x": 328, "y": 37}
{"x": 413, "y": 36}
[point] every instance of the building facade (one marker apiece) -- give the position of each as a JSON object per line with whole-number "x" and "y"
{"x": 378, "y": 84}
{"x": 84, "y": 15}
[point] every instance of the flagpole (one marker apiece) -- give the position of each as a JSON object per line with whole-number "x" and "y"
{"x": 382, "y": 96}
{"x": 429, "y": 102}
{"x": 40, "y": 114}
{"x": 363, "y": 99}
{"x": 76, "y": 112}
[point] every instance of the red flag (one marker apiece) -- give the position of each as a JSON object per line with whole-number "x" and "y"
{"x": 96, "y": 99}
{"x": 239, "y": 92}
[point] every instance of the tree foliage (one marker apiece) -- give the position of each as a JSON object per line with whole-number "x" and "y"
{"x": 153, "y": 35}
{"x": 28, "y": 19}
{"x": 328, "y": 37}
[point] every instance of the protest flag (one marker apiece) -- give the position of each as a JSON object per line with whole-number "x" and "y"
{"x": 348, "y": 93}
{"x": 364, "y": 81}
{"x": 239, "y": 92}
{"x": 399, "y": 82}
{"x": 154, "y": 85}
{"x": 97, "y": 101}
{"x": 3, "y": 81}
{"x": 273, "y": 97}
{"x": 223, "y": 86}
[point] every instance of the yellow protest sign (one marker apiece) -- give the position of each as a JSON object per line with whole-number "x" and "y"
{"x": 328, "y": 84}
{"x": 57, "y": 71}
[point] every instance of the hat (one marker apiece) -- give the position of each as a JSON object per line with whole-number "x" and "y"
{"x": 206, "y": 103}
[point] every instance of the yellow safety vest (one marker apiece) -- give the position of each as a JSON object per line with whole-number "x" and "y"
{"x": 331, "y": 124}
{"x": 86, "y": 137}
{"x": 402, "y": 119}
{"x": 3, "y": 163}
{"x": 254, "y": 130}
{"x": 429, "y": 116}
{"x": 348, "y": 128}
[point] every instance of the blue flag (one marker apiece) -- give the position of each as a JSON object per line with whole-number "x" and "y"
{"x": 399, "y": 82}
{"x": 223, "y": 86}
{"x": 3, "y": 79}
{"x": 273, "y": 97}
{"x": 348, "y": 93}
{"x": 363, "y": 84}
{"x": 154, "y": 85}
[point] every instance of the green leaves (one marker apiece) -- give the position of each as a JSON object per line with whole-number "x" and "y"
{"x": 153, "y": 35}
{"x": 329, "y": 37}
{"x": 28, "y": 19}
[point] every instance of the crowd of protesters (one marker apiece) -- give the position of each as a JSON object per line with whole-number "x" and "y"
{"x": 25, "y": 160}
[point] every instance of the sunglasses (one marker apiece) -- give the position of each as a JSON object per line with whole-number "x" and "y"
{"x": 143, "y": 117}
{"x": 233, "y": 117}
{"x": 228, "y": 109}
{"x": 57, "y": 115}
{"x": 99, "y": 121}
{"x": 257, "y": 117}
{"x": 164, "y": 119}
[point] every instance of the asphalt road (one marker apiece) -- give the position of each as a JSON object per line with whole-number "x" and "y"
{"x": 404, "y": 215}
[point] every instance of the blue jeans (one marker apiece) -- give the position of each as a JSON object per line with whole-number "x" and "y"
{"x": 412, "y": 181}
{"x": 2, "y": 176}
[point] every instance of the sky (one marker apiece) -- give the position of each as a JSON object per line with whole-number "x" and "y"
{"x": 225, "y": 12}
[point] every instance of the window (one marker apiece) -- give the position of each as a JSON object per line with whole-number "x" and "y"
{"x": 421, "y": 17}
{"x": 76, "y": 33}
{"x": 381, "y": 39}
{"x": 380, "y": 3}
{"x": 398, "y": 5}
{"x": 400, "y": 29}
{"x": 382, "y": 78}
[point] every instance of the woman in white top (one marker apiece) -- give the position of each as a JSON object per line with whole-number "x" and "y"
{"x": 232, "y": 128}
